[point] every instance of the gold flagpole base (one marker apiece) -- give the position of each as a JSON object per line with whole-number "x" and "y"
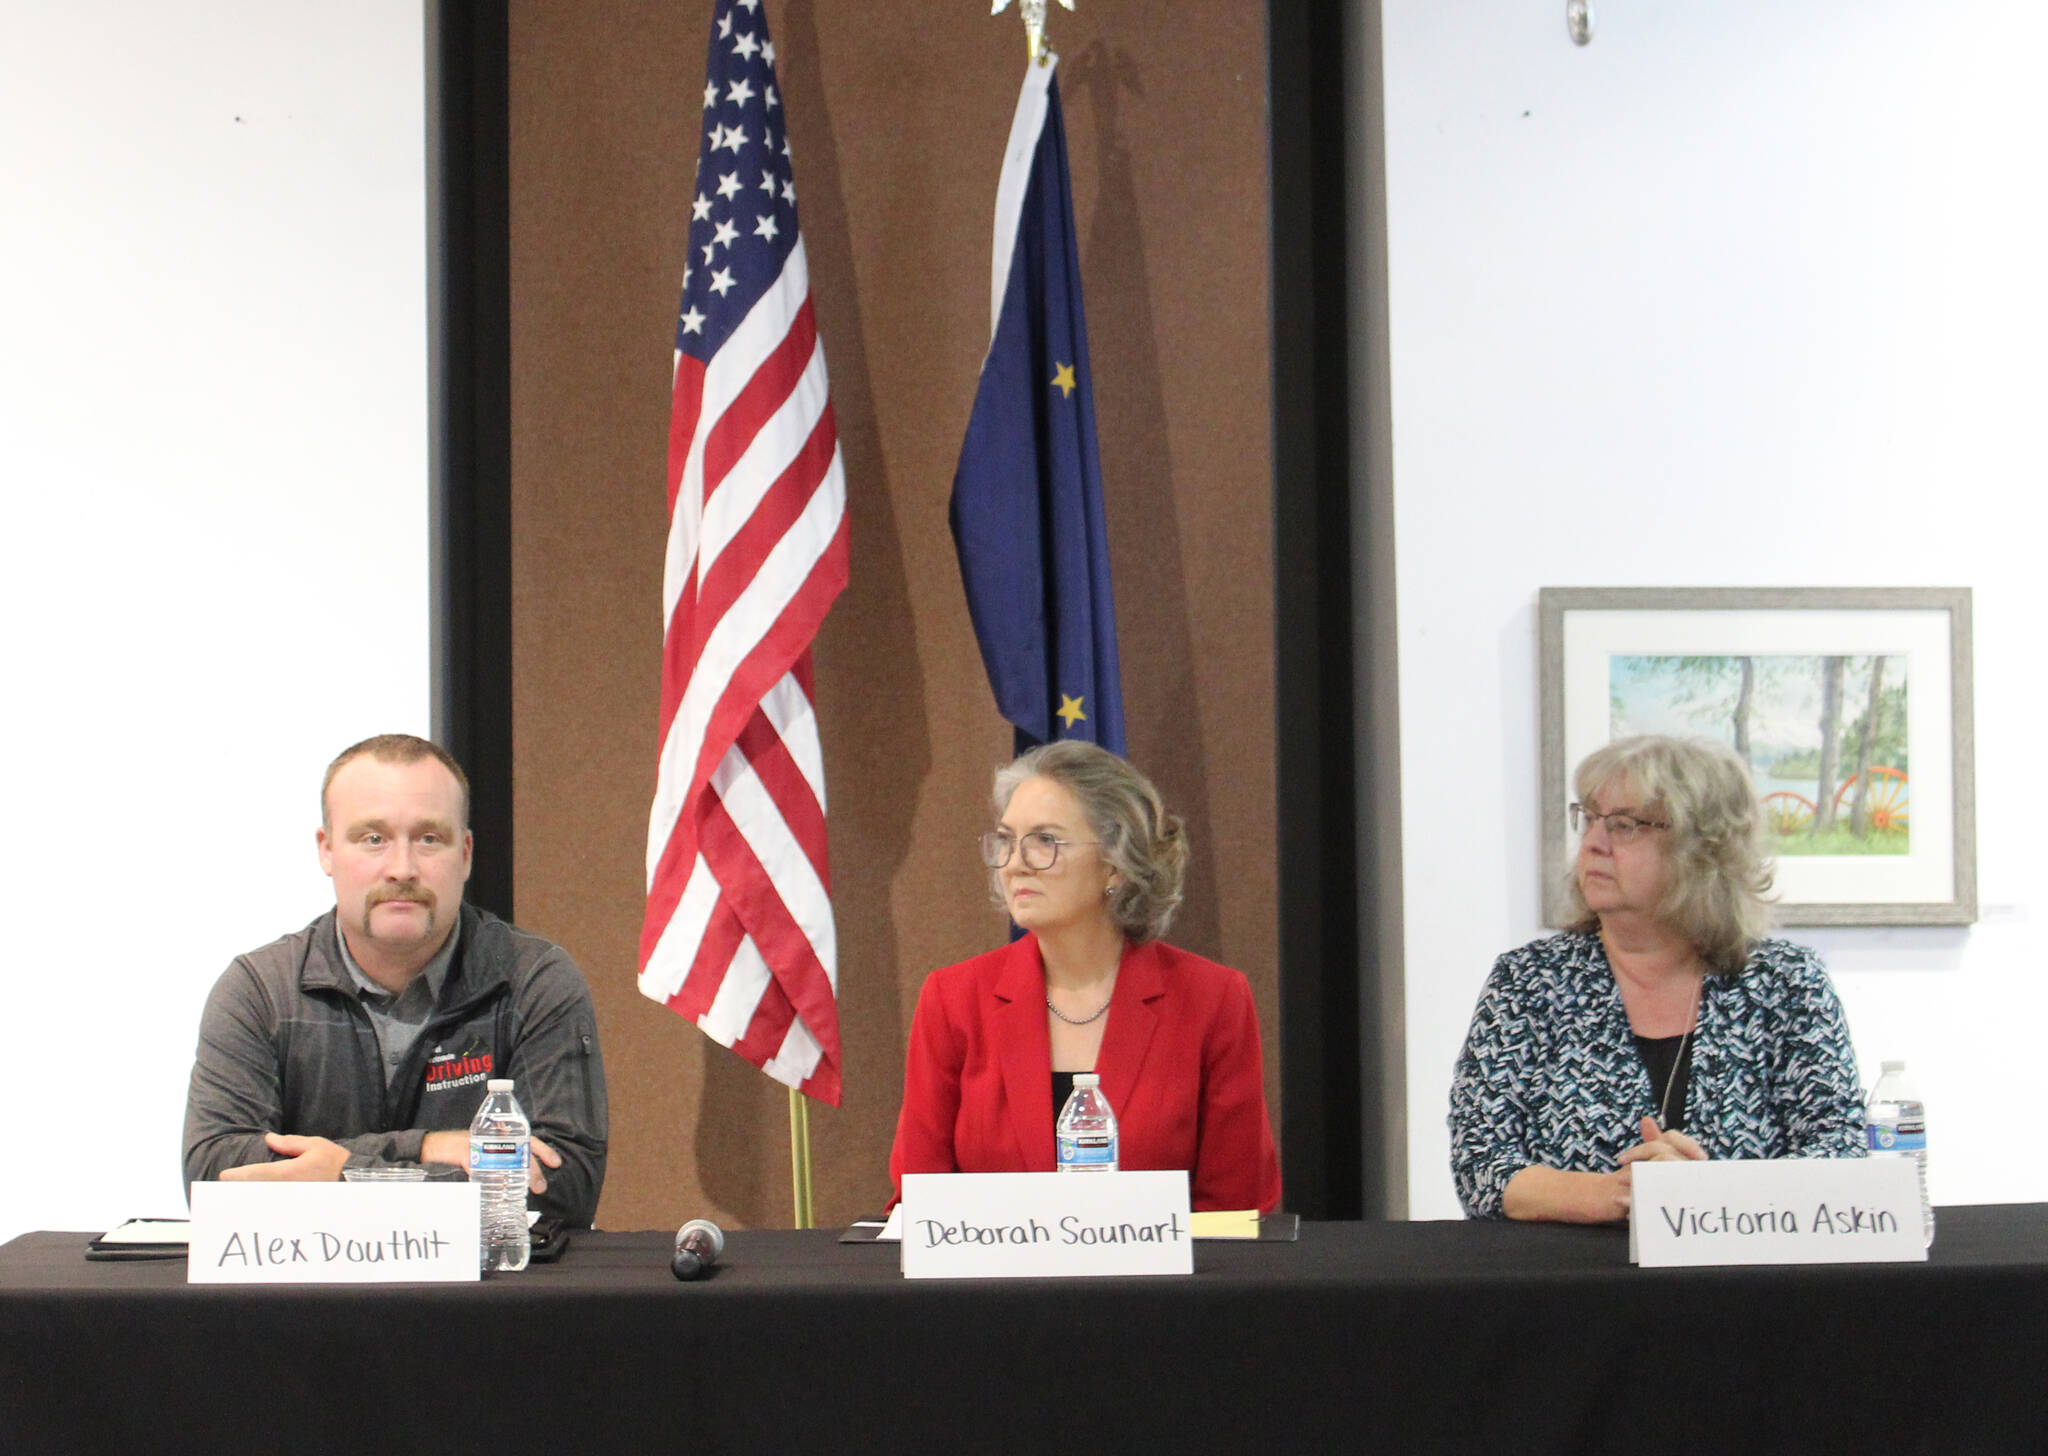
{"x": 800, "y": 1156}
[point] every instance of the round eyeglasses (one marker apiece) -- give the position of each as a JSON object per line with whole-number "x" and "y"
{"x": 1621, "y": 828}
{"x": 1041, "y": 850}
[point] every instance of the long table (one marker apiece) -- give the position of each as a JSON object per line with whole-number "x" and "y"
{"x": 1398, "y": 1337}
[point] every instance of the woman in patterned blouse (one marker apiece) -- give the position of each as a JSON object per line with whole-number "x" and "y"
{"x": 1662, "y": 1024}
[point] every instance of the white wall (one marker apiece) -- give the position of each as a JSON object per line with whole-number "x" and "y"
{"x": 1745, "y": 293}
{"x": 213, "y": 569}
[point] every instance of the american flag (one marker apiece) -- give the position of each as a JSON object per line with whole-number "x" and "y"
{"x": 738, "y": 935}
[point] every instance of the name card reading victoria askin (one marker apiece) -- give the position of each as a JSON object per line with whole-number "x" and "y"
{"x": 333, "y": 1233}
{"x": 1024, "y": 1225}
{"x": 1782, "y": 1211}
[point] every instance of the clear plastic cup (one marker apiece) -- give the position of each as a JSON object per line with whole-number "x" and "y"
{"x": 386, "y": 1173}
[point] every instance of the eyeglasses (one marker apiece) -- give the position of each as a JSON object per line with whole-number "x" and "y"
{"x": 1621, "y": 828}
{"x": 1041, "y": 850}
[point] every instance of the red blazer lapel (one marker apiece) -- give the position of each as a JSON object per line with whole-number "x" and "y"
{"x": 1133, "y": 1017}
{"x": 1017, "y": 1022}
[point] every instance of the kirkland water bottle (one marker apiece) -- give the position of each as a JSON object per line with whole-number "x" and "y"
{"x": 1086, "y": 1132}
{"x": 1895, "y": 1122}
{"x": 499, "y": 1145}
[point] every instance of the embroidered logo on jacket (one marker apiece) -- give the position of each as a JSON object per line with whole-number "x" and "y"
{"x": 446, "y": 1070}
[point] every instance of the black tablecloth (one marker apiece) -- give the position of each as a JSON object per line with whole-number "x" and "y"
{"x": 1399, "y": 1337}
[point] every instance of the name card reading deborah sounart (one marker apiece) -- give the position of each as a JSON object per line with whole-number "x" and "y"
{"x": 1786, "y": 1211}
{"x": 1023, "y": 1225}
{"x": 333, "y": 1233}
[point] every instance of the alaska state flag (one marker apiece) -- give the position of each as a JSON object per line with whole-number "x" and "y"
{"x": 1027, "y": 496}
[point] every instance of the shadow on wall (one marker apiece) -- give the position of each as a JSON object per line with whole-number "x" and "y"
{"x": 864, "y": 699}
{"x": 1161, "y": 715}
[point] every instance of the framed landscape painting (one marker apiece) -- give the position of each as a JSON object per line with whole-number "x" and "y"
{"x": 1851, "y": 706}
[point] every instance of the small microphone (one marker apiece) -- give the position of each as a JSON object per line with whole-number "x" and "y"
{"x": 698, "y": 1245}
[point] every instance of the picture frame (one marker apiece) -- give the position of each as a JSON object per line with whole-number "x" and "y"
{"x": 1880, "y": 831}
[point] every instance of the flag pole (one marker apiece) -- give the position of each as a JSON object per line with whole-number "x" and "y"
{"x": 800, "y": 1156}
{"x": 1033, "y": 12}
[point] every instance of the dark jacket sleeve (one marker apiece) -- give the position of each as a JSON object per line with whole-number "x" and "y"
{"x": 1489, "y": 1119}
{"x": 1813, "y": 1066}
{"x": 559, "y": 1073}
{"x": 235, "y": 1096}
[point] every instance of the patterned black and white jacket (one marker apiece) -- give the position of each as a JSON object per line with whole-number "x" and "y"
{"x": 1550, "y": 1074}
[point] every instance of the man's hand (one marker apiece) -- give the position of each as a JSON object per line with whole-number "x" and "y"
{"x": 305, "y": 1160}
{"x": 451, "y": 1146}
{"x": 542, "y": 1153}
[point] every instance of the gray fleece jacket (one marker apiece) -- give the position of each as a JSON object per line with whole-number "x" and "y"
{"x": 286, "y": 1046}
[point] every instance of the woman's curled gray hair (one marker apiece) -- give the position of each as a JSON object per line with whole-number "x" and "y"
{"x": 1720, "y": 870}
{"x": 1146, "y": 846}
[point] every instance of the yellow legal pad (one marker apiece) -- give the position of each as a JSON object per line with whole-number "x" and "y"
{"x": 1235, "y": 1223}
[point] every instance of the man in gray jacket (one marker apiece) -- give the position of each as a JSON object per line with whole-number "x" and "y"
{"x": 368, "y": 1036}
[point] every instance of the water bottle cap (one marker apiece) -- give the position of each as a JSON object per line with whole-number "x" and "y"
{"x": 1895, "y": 1066}
{"x": 497, "y": 1084}
{"x": 1087, "y": 1079}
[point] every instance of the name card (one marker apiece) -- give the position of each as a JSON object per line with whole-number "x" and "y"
{"x": 1782, "y": 1211}
{"x": 333, "y": 1233}
{"x": 1035, "y": 1225}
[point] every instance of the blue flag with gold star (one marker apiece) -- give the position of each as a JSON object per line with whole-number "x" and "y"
{"x": 1027, "y": 496}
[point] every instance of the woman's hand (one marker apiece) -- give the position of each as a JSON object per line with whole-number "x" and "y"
{"x": 1552, "y": 1194}
{"x": 1663, "y": 1147}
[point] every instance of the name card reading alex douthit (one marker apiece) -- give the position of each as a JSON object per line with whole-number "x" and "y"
{"x": 1785, "y": 1211}
{"x": 333, "y": 1233}
{"x": 1023, "y": 1225}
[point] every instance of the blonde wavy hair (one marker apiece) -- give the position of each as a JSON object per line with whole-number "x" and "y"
{"x": 1145, "y": 845}
{"x": 1720, "y": 870}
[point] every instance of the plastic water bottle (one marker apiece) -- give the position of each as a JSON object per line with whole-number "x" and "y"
{"x": 499, "y": 1145}
{"x": 1895, "y": 1122}
{"x": 1086, "y": 1132}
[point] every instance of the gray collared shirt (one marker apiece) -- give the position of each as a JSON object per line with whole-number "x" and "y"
{"x": 400, "y": 1019}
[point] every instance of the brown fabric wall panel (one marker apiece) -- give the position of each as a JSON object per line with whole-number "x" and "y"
{"x": 897, "y": 120}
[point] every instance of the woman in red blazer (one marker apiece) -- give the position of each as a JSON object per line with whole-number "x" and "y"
{"x": 1088, "y": 862}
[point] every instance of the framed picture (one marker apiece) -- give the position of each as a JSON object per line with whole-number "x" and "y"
{"x": 1851, "y": 705}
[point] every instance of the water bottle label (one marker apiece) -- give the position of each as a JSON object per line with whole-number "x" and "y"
{"x": 495, "y": 1156}
{"x": 1090, "y": 1150}
{"x": 1907, "y": 1137}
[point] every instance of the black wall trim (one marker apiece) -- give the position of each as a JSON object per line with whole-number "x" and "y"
{"x": 1320, "y": 962}
{"x": 469, "y": 386}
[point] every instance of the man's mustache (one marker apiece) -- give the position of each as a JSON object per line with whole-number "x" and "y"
{"x": 411, "y": 890}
